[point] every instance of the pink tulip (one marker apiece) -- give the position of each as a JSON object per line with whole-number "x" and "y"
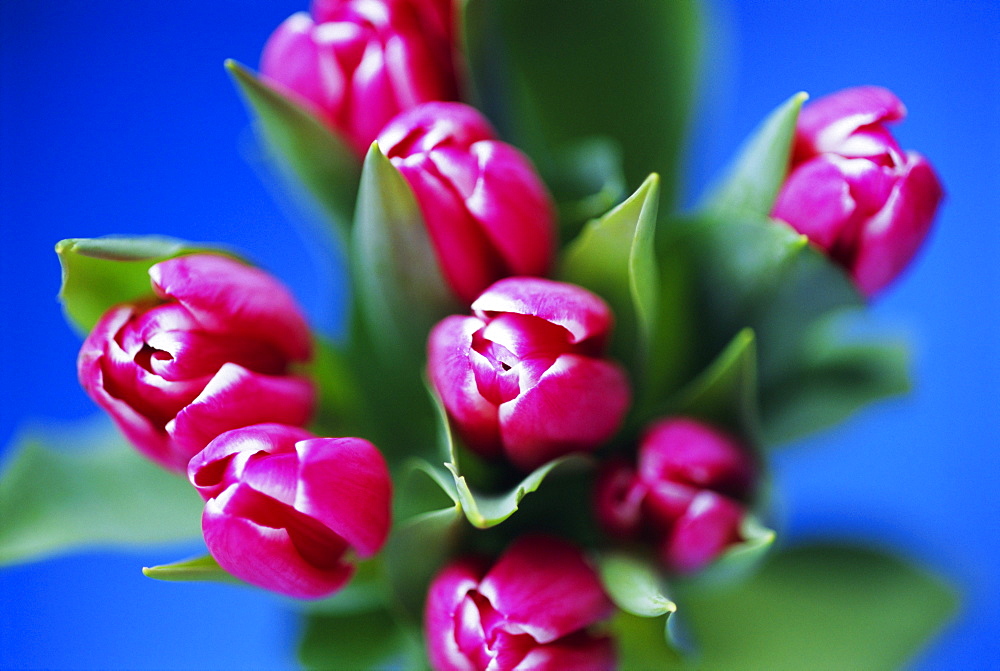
{"x": 531, "y": 610}
{"x": 210, "y": 350}
{"x": 525, "y": 377}
{"x": 853, "y": 192}
{"x": 358, "y": 63}
{"x": 487, "y": 212}
{"x": 688, "y": 494}
{"x": 285, "y": 510}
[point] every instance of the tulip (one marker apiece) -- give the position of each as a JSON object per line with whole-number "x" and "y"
{"x": 853, "y": 192}
{"x": 358, "y": 63}
{"x": 525, "y": 377}
{"x": 284, "y": 508}
{"x": 688, "y": 494}
{"x": 486, "y": 210}
{"x": 531, "y": 610}
{"x": 209, "y": 350}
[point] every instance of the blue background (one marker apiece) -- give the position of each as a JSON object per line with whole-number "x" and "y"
{"x": 117, "y": 117}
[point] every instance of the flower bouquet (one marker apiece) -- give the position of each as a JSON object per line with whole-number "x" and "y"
{"x": 544, "y": 441}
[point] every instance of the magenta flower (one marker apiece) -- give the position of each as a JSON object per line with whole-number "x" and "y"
{"x": 525, "y": 377}
{"x": 688, "y": 495}
{"x": 851, "y": 189}
{"x": 285, "y": 510}
{"x": 487, "y": 212}
{"x": 358, "y": 63}
{"x": 531, "y": 610}
{"x": 209, "y": 351}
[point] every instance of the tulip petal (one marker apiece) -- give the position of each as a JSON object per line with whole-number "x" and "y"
{"x": 344, "y": 483}
{"x": 206, "y": 469}
{"x": 580, "y": 652}
{"x": 891, "y": 238}
{"x": 431, "y": 125}
{"x": 513, "y": 208}
{"x": 291, "y": 61}
{"x": 816, "y": 201}
{"x": 461, "y": 248}
{"x": 710, "y": 525}
{"x": 263, "y": 555}
{"x": 826, "y": 123}
{"x": 237, "y": 397}
{"x": 446, "y": 593}
{"x": 618, "y": 497}
{"x": 578, "y": 404}
{"x": 226, "y": 296}
{"x": 451, "y": 372}
{"x": 148, "y": 436}
{"x": 544, "y": 587}
{"x": 577, "y": 310}
{"x": 687, "y": 452}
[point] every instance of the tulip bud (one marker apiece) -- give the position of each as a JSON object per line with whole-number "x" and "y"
{"x": 487, "y": 212}
{"x": 530, "y": 610}
{"x": 851, "y": 189}
{"x": 688, "y": 494}
{"x": 284, "y": 508}
{"x": 525, "y": 377}
{"x": 209, "y": 352}
{"x": 358, "y": 63}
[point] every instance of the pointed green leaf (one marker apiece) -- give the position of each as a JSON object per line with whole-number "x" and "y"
{"x": 487, "y": 510}
{"x": 199, "y": 569}
{"x": 366, "y": 640}
{"x": 635, "y": 585}
{"x": 752, "y": 181}
{"x": 624, "y": 69}
{"x": 820, "y": 607}
{"x": 399, "y": 288}
{"x": 98, "y": 273}
{"x": 614, "y": 258}
{"x": 483, "y": 510}
{"x": 98, "y": 492}
{"x": 320, "y": 160}
{"x": 725, "y": 394}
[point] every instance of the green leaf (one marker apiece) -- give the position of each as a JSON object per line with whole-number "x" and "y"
{"x": 634, "y": 585}
{"x": 98, "y": 273}
{"x": 614, "y": 257}
{"x": 483, "y": 510}
{"x": 488, "y": 510}
{"x": 100, "y": 493}
{"x": 835, "y": 376}
{"x": 725, "y": 394}
{"x": 752, "y": 181}
{"x": 642, "y": 643}
{"x": 321, "y": 161}
{"x": 399, "y": 289}
{"x": 820, "y": 607}
{"x": 625, "y": 69}
{"x": 367, "y": 640}
{"x": 746, "y": 272}
{"x": 199, "y": 569}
